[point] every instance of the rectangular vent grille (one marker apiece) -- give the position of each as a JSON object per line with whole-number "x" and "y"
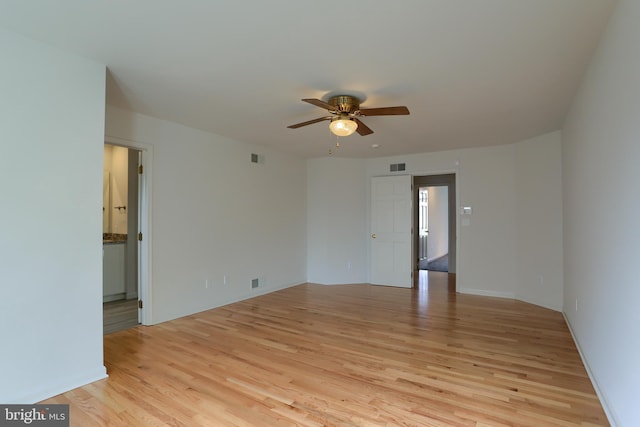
{"x": 255, "y": 283}
{"x": 257, "y": 158}
{"x": 397, "y": 167}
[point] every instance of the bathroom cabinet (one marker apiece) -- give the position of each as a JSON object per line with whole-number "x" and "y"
{"x": 113, "y": 271}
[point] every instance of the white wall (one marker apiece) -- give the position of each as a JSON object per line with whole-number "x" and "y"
{"x": 496, "y": 255}
{"x": 487, "y": 250}
{"x": 216, "y": 214}
{"x": 116, "y": 161}
{"x": 601, "y": 149}
{"x": 485, "y": 181}
{"x": 106, "y": 190}
{"x": 539, "y": 255}
{"x": 120, "y": 189}
{"x": 336, "y": 225}
{"x": 438, "y": 240}
{"x": 52, "y": 121}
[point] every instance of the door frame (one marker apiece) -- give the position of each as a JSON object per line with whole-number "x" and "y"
{"x": 437, "y": 180}
{"x": 144, "y": 223}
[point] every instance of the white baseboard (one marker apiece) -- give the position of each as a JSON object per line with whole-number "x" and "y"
{"x": 603, "y": 401}
{"x": 113, "y": 297}
{"x": 541, "y": 304}
{"x": 486, "y": 293}
{"x": 254, "y": 293}
{"x": 67, "y": 384}
{"x": 433, "y": 258}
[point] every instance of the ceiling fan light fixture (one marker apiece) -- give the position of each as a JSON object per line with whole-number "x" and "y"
{"x": 343, "y": 127}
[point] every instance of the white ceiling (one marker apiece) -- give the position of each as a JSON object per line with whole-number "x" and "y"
{"x": 472, "y": 72}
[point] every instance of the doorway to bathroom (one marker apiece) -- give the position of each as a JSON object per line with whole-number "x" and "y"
{"x": 120, "y": 237}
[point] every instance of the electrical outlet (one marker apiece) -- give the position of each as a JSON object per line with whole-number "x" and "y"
{"x": 576, "y": 305}
{"x": 206, "y": 283}
{"x": 255, "y": 283}
{"x": 225, "y": 279}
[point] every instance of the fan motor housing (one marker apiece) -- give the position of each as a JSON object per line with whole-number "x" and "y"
{"x": 345, "y": 103}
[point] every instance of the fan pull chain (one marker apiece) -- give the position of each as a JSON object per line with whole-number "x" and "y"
{"x": 337, "y": 145}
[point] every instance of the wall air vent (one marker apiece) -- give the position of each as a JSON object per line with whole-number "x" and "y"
{"x": 397, "y": 167}
{"x": 257, "y": 158}
{"x": 255, "y": 283}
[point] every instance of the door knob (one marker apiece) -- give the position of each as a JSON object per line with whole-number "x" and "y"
{"x": 373, "y": 236}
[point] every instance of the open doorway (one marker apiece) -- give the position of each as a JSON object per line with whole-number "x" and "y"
{"x": 434, "y": 213}
{"x": 433, "y": 228}
{"x": 120, "y": 238}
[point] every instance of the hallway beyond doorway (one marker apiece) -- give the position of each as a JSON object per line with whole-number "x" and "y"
{"x": 438, "y": 264}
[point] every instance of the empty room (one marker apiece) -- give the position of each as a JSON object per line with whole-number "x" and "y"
{"x": 420, "y": 213}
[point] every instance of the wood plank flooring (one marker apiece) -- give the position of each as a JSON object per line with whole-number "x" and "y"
{"x": 119, "y": 315}
{"x": 348, "y": 355}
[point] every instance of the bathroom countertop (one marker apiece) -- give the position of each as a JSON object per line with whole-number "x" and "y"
{"x": 110, "y": 238}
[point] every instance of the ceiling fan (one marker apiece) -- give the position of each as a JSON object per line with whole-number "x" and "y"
{"x": 344, "y": 112}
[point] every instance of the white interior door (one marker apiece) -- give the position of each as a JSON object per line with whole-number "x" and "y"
{"x": 390, "y": 237}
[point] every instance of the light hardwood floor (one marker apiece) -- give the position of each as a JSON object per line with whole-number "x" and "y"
{"x": 349, "y": 355}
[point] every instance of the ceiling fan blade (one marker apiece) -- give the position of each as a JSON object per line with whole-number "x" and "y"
{"x": 310, "y": 122}
{"x": 362, "y": 129}
{"x": 385, "y": 111}
{"x": 320, "y": 103}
